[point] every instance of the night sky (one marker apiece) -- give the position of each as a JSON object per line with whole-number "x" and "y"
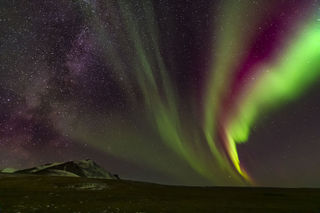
{"x": 176, "y": 92}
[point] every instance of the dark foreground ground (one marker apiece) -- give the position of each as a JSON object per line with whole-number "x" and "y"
{"x": 67, "y": 194}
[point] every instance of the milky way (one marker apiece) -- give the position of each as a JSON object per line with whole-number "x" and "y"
{"x": 183, "y": 92}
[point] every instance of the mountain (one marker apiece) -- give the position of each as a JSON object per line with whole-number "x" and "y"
{"x": 82, "y": 168}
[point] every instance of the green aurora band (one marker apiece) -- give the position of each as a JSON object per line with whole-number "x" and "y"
{"x": 232, "y": 38}
{"x": 284, "y": 78}
{"x": 157, "y": 89}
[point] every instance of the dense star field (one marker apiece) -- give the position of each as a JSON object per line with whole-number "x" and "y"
{"x": 178, "y": 92}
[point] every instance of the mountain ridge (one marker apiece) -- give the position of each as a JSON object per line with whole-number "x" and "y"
{"x": 78, "y": 168}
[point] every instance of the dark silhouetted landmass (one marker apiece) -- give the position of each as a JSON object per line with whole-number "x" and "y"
{"x": 34, "y": 190}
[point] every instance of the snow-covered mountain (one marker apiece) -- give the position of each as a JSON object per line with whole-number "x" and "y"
{"x": 82, "y": 168}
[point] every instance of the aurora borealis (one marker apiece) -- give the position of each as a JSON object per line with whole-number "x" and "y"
{"x": 179, "y": 92}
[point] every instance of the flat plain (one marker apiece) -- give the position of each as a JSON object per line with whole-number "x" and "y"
{"x": 34, "y": 193}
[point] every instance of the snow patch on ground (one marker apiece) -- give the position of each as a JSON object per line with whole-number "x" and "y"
{"x": 89, "y": 186}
